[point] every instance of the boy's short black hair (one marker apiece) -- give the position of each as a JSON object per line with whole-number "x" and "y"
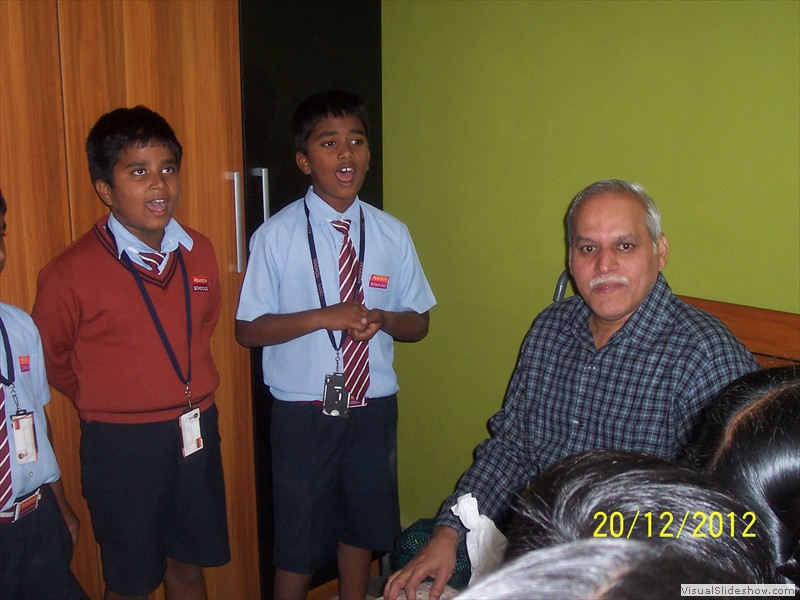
{"x": 123, "y": 128}
{"x": 3, "y": 205}
{"x": 313, "y": 109}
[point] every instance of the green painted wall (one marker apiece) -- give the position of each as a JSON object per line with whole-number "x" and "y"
{"x": 496, "y": 113}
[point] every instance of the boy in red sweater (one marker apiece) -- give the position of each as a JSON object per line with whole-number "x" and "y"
{"x": 127, "y": 313}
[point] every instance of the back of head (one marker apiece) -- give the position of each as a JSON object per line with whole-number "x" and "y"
{"x": 312, "y": 110}
{"x": 597, "y": 569}
{"x": 750, "y": 441}
{"x": 123, "y": 128}
{"x": 607, "y": 493}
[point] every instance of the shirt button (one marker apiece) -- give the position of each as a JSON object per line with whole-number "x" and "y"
{"x": 577, "y": 424}
{"x": 30, "y": 474}
{"x": 591, "y": 368}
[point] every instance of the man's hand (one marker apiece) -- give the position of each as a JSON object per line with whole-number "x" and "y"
{"x": 437, "y": 559}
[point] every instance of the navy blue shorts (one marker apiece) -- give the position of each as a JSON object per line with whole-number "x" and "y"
{"x": 334, "y": 480}
{"x": 35, "y": 553}
{"x": 148, "y": 502}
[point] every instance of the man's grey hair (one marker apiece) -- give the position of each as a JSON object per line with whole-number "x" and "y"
{"x": 618, "y": 186}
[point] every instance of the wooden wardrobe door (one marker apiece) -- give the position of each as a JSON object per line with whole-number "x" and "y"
{"x": 33, "y": 173}
{"x": 181, "y": 59}
{"x": 33, "y": 177}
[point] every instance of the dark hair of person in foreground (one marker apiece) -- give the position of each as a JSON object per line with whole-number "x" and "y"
{"x": 598, "y": 569}
{"x": 619, "y": 494}
{"x": 750, "y": 441}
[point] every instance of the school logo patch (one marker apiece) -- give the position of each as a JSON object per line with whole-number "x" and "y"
{"x": 24, "y": 363}
{"x": 379, "y": 281}
{"x": 199, "y": 284}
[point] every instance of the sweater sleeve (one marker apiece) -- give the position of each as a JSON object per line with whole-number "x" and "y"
{"x": 56, "y": 312}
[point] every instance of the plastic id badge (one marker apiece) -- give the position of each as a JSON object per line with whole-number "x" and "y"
{"x": 190, "y": 429}
{"x": 335, "y": 397}
{"x": 25, "y": 437}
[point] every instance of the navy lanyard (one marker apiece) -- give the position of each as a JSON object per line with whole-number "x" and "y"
{"x": 9, "y": 359}
{"x": 9, "y": 380}
{"x": 315, "y": 266}
{"x": 157, "y": 322}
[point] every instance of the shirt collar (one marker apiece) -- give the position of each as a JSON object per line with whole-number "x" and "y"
{"x": 642, "y": 326}
{"x": 174, "y": 234}
{"x": 648, "y": 320}
{"x": 322, "y": 212}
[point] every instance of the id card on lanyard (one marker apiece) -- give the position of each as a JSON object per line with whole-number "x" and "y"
{"x": 22, "y": 421}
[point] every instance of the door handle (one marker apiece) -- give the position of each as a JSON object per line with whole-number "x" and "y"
{"x": 263, "y": 173}
{"x": 238, "y": 216}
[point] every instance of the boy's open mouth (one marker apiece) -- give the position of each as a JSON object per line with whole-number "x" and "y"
{"x": 346, "y": 174}
{"x": 157, "y": 206}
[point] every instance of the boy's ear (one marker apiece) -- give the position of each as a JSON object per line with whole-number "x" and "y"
{"x": 104, "y": 191}
{"x": 302, "y": 162}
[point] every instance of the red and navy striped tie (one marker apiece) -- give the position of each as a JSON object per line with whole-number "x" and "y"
{"x": 356, "y": 354}
{"x": 5, "y": 458}
{"x": 152, "y": 259}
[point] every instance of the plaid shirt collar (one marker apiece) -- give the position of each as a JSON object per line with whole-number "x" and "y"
{"x": 640, "y": 330}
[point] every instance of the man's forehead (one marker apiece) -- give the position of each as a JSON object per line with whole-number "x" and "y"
{"x": 611, "y": 207}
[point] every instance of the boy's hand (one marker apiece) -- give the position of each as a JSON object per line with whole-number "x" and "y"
{"x": 374, "y": 323}
{"x": 73, "y": 523}
{"x": 347, "y": 316}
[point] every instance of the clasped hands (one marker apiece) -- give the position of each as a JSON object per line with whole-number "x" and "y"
{"x": 360, "y": 323}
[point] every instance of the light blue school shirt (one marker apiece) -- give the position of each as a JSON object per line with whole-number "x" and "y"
{"x": 174, "y": 234}
{"x": 30, "y": 383}
{"x": 280, "y": 280}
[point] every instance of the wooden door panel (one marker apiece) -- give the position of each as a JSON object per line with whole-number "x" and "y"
{"x": 33, "y": 164}
{"x": 92, "y": 52}
{"x": 180, "y": 59}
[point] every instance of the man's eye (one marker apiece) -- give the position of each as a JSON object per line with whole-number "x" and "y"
{"x": 328, "y": 144}
{"x": 586, "y": 249}
{"x": 626, "y": 247}
{"x": 138, "y": 171}
{"x": 357, "y": 142}
{"x": 168, "y": 170}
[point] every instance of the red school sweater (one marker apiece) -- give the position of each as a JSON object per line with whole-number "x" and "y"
{"x": 101, "y": 347}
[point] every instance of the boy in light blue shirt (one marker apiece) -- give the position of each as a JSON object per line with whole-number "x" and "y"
{"x": 37, "y": 525}
{"x": 331, "y": 283}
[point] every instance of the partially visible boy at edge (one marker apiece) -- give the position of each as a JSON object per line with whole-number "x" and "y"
{"x": 128, "y": 311}
{"x": 37, "y": 525}
{"x": 331, "y": 283}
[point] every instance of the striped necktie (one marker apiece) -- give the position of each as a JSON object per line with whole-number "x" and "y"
{"x": 356, "y": 354}
{"x": 152, "y": 259}
{"x": 5, "y": 458}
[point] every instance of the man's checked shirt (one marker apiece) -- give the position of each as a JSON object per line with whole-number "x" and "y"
{"x": 645, "y": 390}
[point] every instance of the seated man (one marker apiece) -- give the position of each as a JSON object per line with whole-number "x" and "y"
{"x": 624, "y": 364}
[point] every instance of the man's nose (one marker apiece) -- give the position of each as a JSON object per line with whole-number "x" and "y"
{"x": 606, "y": 261}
